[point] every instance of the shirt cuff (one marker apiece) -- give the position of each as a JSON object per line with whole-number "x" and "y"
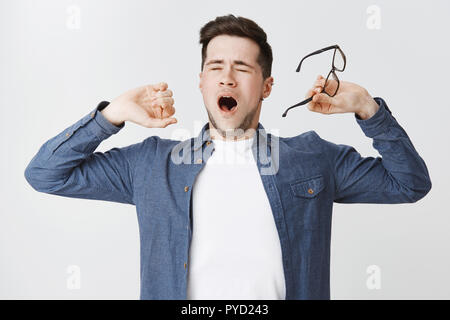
{"x": 103, "y": 122}
{"x": 97, "y": 124}
{"x": 379, "y": 122}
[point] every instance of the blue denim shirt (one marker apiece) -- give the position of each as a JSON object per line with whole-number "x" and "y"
{"x": 302, "y": 176}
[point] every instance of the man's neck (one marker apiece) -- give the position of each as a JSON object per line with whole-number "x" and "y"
{"x": 232, "y": 134}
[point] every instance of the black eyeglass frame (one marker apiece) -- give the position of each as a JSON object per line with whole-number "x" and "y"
{"x": 332, "y": 72}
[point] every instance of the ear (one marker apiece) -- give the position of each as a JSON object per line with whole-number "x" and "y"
{"x": 200, "y": 80}
{"x": 267, "y": 87}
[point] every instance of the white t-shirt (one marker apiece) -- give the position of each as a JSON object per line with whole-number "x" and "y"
{"x": 235, "y": 251}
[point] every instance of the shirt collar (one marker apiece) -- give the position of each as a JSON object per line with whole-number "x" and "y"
{"x": 267, "y": 161}
{"x": 204, "y": 137}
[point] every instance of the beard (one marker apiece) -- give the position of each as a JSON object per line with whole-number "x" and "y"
{"x": 244, "y": 125}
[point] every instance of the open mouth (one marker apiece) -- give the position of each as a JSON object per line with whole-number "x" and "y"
{"x": 227, "y": 104}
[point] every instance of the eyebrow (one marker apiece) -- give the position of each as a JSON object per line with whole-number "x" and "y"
{"x": 238, "y": 62}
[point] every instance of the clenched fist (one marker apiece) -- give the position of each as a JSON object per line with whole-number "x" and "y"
{"x": 150, "y": 106}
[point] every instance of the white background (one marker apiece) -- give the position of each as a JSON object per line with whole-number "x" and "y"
{"x": 53, "y": 73}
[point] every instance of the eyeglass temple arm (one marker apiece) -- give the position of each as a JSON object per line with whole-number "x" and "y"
{"x": 296, "y": 105}
{"x": 316, "y": 52}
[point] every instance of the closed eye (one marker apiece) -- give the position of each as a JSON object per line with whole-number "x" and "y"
{"x": 221, "y": 68}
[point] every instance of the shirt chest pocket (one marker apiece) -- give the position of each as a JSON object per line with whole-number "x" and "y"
{"x": 307, "y": 200}
{"x": 308, "y": 188}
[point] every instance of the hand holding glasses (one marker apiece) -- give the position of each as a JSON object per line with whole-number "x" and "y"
{"x": 338, "y": 64}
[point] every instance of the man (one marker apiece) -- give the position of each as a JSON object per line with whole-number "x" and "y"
{"x": 257, "y": 229}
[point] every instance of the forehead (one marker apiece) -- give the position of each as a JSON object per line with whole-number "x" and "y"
{"x": 228, "y": 48}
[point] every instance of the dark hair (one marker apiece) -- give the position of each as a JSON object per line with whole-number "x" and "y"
{"x": 241, "y": 27}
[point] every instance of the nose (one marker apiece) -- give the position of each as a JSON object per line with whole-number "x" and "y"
{"x": 227, "y": 78}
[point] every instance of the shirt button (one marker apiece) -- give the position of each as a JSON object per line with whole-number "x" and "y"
{"x": 186, "y": 189}
{"x": 185, "y": 265}
{"x": 208, "y": 143}
{"x": 310, "y": 191}
{"x": 92, "y": 114}
{"x": 199, "y": 160}
{"x": 67, "y": 134}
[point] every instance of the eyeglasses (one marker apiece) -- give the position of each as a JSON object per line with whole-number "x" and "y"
{"x": 338, "y": 64}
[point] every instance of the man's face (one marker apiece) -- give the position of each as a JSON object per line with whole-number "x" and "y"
{"x": 224, "y": 74}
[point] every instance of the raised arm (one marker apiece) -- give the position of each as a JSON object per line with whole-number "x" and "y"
{"x": 66, "y": 165}
{"x": 398, "y": 176}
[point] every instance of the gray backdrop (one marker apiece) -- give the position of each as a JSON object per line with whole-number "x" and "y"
{"x": 58, "y": 59}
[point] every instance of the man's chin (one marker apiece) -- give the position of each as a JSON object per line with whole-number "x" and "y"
{"x": 232, "y": 126}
